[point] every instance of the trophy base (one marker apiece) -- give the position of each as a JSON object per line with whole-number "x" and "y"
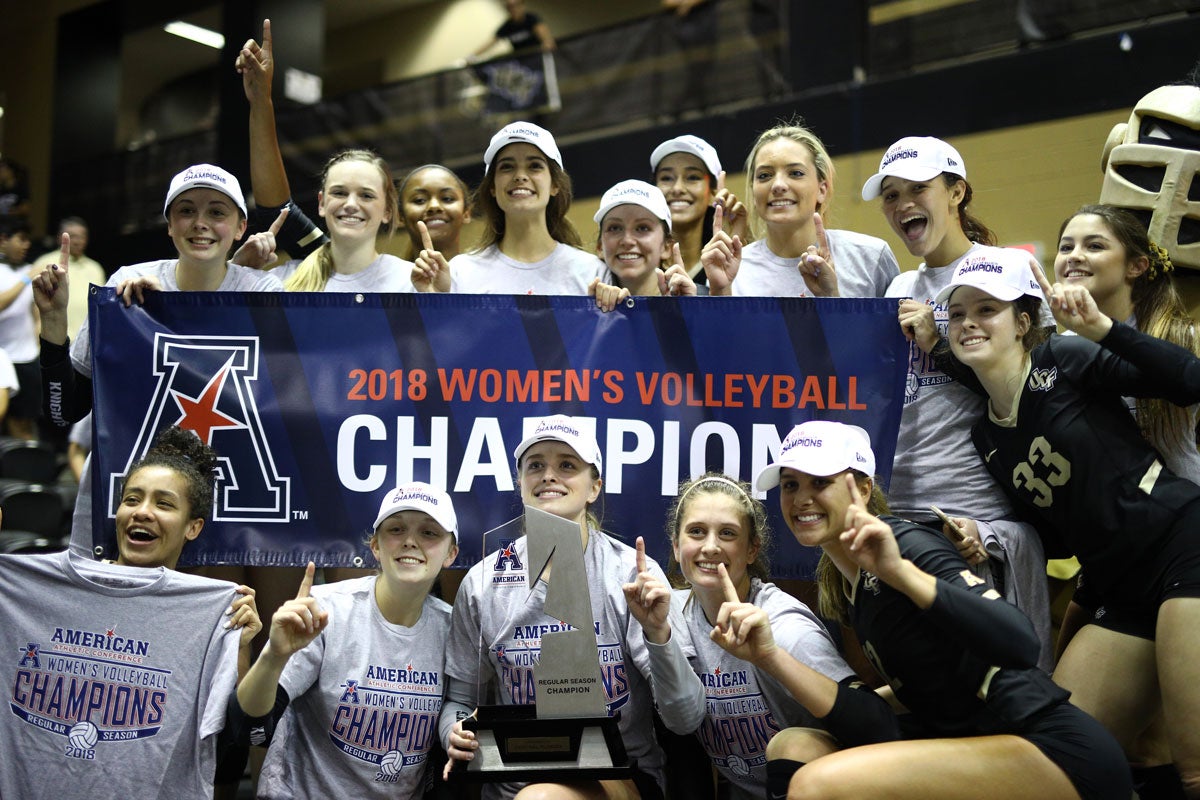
{"x": 514, "y": 745}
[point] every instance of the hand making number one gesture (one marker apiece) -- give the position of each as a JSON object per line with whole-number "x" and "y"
{"x": 50, "y": 293}
{"x": 869, "y": 541}
{"x": 722, "y": 256}
{"x": 674, "y": 280}
{"x": 742, "y": 629}
{"x": 816, "y": 265}
{"x": 298, "y": 621}
{"x": 649, "y": 599}
{"x": 431, "y": 271}
{"x": 1073, "y": 306}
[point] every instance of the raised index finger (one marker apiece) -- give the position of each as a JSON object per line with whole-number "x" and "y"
{"x": 678, "y": 256}
{"x": 278, "y": 223}
{"x": 731, "y": 594}
{"x": 1040, "y": 277}
{"x": 855, "y": 494}
{"x": 718, "y": 219}
{"x": 266, "y": 42}
{"x": 720, "y": 182}
{"x": 641, "y": 554}
{"x": 307, "y": 582}
{"x": 64, "y": 254}
{"x": 426, "y": 239}
{"x": 819, "y": 225}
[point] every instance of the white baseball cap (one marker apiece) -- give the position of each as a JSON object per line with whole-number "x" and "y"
{"x": 419, "y": 496}
{"x": 205, "y": 176}
{"x": 821, "y": 448}
{"x": 638, "y": 193}
{"x": 688, "y": 144}
{"x": 527, "y": 132}
{"x": 1002, "y": 272}
{"x": 915, "y": 158}
{"x": 577, "y": 432}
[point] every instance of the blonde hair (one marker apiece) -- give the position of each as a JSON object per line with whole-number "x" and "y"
{"x": 315, "y": 270}
{"x": 801, "y": 134}
{"x": 832, "y": 586}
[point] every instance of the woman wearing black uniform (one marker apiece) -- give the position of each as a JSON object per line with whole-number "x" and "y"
{"x": 982, "y": 721}
{"x": 1061, "y": 442}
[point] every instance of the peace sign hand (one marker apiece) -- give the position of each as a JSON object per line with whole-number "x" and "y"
{"x": 816, "y": 265}
{"x": 50, "y": 294}
{"x": 868, "y": 540}
{"x": 259, "y": 249}
{"x": 721, "y": 257}
{"x": 1073, "y": 306}
{"x": 298, "y": 621}
{"x": 675, "y": 280}
{"x": 743, "y": 629}
{"x": 256, "y": 65}
{"x": 649, "y": 599}
{"x": 431, "y": 270}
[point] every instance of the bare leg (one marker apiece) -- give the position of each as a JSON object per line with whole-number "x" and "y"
{"x": 588, "y": 790}
{"x": 1178, "y": 636}
{"x": 982, "y": 768}
{"x": 1112, "y": 676}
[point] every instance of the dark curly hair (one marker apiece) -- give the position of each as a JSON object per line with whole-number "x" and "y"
{"x": 182, "y": 451}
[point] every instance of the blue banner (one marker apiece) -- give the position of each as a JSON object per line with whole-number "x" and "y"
{"x": 319, "y": 403}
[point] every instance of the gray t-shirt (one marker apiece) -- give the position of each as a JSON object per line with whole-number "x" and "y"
{"x": 865, "y": 266}
{"x": 118, "y": 680}
{"x": 365, "y": 697}
{"x": 511, "y": 620}
{"x": 566, "y": 271}
{"x": 385, "y": 274}
{"x": 743, "y": 707}
{"x": 237, "y": 279}
{"x": 936, "y": 462}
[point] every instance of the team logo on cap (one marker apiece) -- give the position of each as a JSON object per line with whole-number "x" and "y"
{"x": 896, "y": 155}
{"x": 556, "y": 427}
{"x": 203, "y": 175}
{"x": 205, "y": 386}
{"x": 799, "y": 441}
{"x": 981, "y": 266}
{"x": 413, "y": 494}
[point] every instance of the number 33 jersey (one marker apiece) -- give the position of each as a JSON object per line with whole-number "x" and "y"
{"x": 1072, "y": 458}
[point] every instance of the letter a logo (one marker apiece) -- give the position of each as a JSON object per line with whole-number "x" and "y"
{"x": 205, "y": 386}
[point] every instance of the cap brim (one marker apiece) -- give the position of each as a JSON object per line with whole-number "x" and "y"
{"x": 768, "y": 478}
{"x": 874, "y": 186}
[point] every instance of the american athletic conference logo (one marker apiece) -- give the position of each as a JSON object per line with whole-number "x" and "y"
{"x": 204, "y": 384}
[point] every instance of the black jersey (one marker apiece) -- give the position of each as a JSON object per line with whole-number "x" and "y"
{"x": 966, "y": 666}
{"x": 1075, "y": 463}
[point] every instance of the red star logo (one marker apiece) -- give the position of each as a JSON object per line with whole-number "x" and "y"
{"x": 717, "y": 671}
{"x": 408, "y": 667}
{"x": 199, "y": 414}
{"x": 110, "y": 632}
{"x": 508, "y": 552}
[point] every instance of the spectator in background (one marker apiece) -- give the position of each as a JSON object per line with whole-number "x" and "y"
{"x": 8, "y": 383}
{"x": 14, "y": 190}
{"x": 84, "y": 270}
{"x": 18, "y": 332}
{"x": 521, "y": 30}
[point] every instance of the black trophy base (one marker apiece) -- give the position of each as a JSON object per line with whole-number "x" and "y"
{"x": 514, "y": 745}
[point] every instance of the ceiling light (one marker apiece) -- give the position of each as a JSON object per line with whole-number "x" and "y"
{"x": 197, "y": 34}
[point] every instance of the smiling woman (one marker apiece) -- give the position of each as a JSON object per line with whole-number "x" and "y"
{"x": 388, "y": 632}
{"x": 528, "y": 246}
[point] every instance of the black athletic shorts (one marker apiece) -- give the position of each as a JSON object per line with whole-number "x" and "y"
{"x": 1083, "y": 749}
{"x": 1172, "y": 570}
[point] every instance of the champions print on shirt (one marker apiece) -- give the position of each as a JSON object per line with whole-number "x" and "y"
{"x": 388, "y": 718}
{"x": 737, "y": 724}
{"x": 92, "y": 688}
{"x": 204, "y": 385}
